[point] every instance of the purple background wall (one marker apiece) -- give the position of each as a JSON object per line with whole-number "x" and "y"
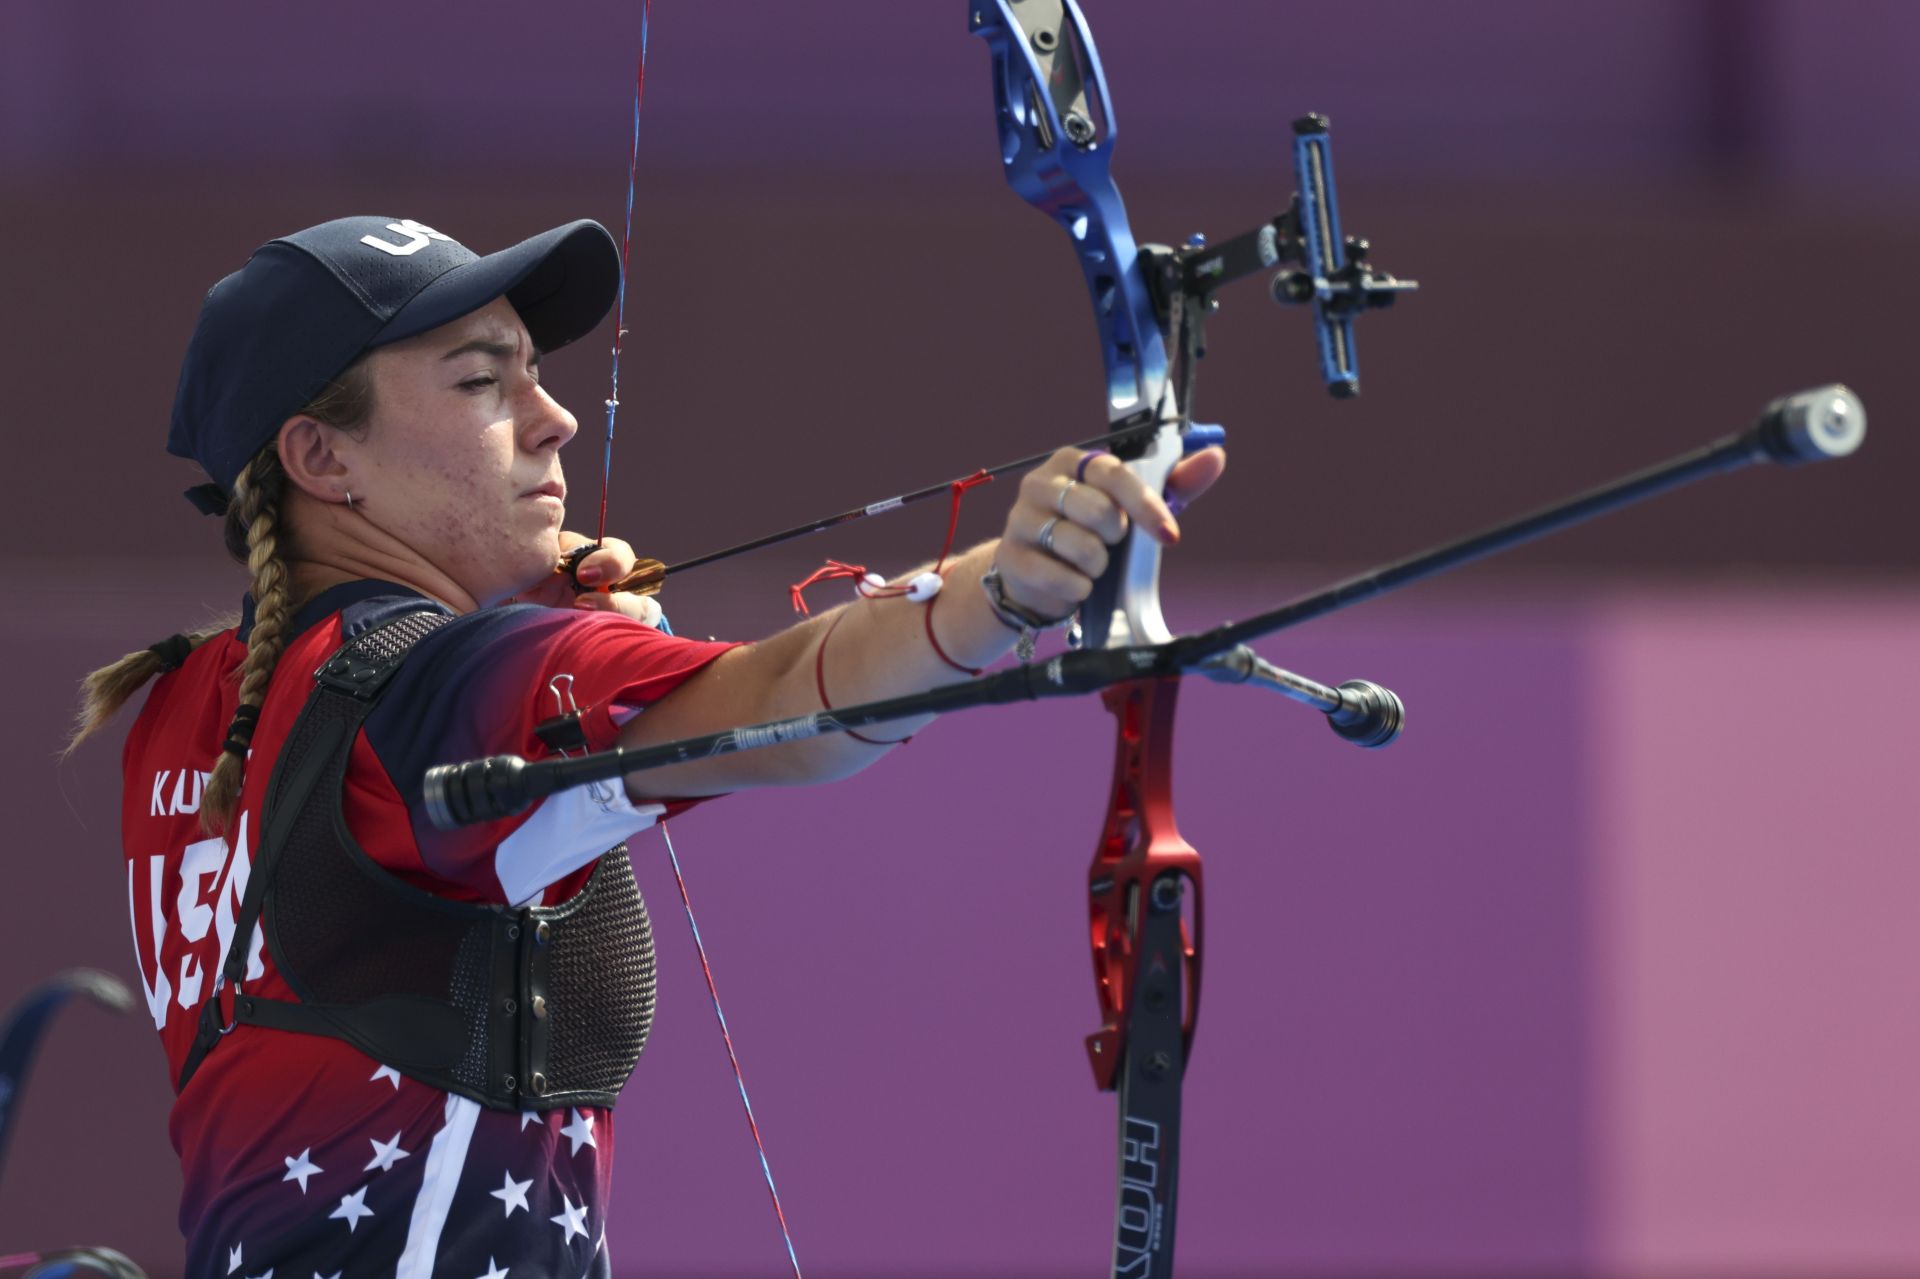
{"x": 1605, "y": 969}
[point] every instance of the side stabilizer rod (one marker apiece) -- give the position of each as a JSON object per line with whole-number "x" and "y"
{"x": 1359, "y": 710}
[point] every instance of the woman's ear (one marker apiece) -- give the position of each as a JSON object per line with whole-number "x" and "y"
{"x": 310, "y": 455}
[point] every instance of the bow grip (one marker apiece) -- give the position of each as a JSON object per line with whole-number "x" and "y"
{"x": 1142, "y": 865}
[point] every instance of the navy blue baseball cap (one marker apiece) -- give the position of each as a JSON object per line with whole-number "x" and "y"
{"x": 274, "y": 333}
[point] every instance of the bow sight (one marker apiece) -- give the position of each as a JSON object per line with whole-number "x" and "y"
{"x": 1050, "y": 88}
{"x": 1329, "y": 271}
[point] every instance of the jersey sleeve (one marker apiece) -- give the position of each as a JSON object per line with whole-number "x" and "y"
{"x": 480, "y": 685}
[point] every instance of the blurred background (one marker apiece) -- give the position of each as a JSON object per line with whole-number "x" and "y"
{"x": 1606, "y": 969}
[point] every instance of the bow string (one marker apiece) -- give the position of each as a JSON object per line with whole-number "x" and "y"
{"x": 620, "y": 299}
{"x": 646, "y": 578}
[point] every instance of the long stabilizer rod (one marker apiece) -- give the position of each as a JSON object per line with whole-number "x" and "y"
{"x": 1825, "y": 423}
{"x": 1818, "y": 425}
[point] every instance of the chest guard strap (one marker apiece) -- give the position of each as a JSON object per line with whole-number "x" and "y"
{"x": 517, "y": 1008}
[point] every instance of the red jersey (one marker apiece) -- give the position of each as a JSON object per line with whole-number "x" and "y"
{"x": 302, "y": 1155}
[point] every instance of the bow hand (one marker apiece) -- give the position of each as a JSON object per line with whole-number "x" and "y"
{"x": 1075, "y": 507}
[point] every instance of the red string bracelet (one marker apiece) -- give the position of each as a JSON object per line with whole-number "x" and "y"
{"x": 820, "y": 683}
{"x": 941, "y": 653}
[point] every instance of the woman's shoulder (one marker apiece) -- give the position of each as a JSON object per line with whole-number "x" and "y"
{"x": 517, "y": 641}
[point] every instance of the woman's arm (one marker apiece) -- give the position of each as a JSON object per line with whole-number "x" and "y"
{"x": 879, "y": 647}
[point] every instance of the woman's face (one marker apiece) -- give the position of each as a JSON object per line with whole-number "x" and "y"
{"x": 461, "y": 456}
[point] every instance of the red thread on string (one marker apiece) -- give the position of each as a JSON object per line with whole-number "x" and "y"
{"x": 620, "y": 302}
{"x": 606, "y": 484}
{"x": 836, "y": 570}
{"x": 726, "y": 1037}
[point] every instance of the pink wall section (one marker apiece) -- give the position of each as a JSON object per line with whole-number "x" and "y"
{"x": 1757, "y": 1019}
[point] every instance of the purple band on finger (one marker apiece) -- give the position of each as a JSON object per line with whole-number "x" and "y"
{"x": 1080, "y": 472}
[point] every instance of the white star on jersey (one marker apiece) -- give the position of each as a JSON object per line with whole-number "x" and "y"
{"x": 513, "y": 1194}
{"x": 299, "y": 1168}
{"x": 494, "y": 1270}
{"x": 233, "y": 1258}
{"x": 385, "y": 1154}
{"x": 334, "y": 1275}
{"x": 527, "y": 1117}
{"x": 388, "y": 1073}
{"x": 571, "y": 1219}
{"x": 352, "y": 1207}
{"x": 580, "y": 1132}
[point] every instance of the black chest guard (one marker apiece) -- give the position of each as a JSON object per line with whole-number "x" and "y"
{"x": 519, "y": 1009}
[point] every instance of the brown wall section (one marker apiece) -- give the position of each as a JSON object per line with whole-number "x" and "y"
{"x": 802, "y": 348}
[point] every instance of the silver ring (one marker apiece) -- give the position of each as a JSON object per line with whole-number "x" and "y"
{"x": 1045, "y": 539}
{"x": 1060, "y": 502}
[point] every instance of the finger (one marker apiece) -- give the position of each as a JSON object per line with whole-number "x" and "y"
{"x": 1063, "y": 462}
{"x": 1037, "y": 581}
{"x": 646, "y": 608}
{"x": 1070, "y": 543}
{"x": 612, "y": 560}
{"x": 1083, "y": 504}
{"x": 1194, "y": 475}
{"x": 1145, "y": 507}
{"x": 1090, "y": 508}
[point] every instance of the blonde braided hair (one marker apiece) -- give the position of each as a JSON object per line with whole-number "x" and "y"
{"x": 255, "y": 536}
{"x": 106, "y": 690}
{"x": 255, "y": 516}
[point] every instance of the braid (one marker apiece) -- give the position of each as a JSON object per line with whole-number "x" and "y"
{"x": 254, "y": 535}
{"x": 257, "y": 496}
{"x": 106, "y": 690}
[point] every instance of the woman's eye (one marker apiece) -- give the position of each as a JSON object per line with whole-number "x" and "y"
{"x": 480, "y": 383}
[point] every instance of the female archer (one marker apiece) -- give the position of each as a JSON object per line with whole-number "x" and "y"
{"x": 395, "y": 1047}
